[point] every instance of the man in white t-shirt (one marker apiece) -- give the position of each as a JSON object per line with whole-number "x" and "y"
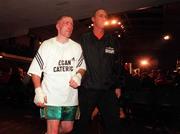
{"x": 56, "y": 72}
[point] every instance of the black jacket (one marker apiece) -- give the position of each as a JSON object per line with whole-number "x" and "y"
{"x": 101, "y": 57}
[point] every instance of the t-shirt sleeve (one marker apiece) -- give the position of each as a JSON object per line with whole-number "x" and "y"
{"x": 81, "y": 62}
{"x": 38, "y": 63}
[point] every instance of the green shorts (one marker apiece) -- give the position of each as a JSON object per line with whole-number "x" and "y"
{"x": 65, "y": 113}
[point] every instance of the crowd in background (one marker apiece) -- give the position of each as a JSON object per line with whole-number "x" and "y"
{"x": 16, "y": 85}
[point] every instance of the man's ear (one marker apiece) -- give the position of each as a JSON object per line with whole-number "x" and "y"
{"x": 57, "y": 26}
{"x": 92, "y": 18}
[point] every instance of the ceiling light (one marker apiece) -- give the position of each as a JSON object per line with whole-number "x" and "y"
{"x": 166, "y": 37}
{"x": 106, "y": 23}
{"x": 119, "y": 23}
{"x": 113, "y": 22}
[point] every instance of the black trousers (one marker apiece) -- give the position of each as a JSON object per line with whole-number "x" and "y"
{"x": 107, "y": 103}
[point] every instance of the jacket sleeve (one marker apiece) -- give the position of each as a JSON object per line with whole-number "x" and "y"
{"x": 117, "y": 65}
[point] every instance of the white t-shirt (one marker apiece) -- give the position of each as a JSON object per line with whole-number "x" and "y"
{"x": 58, "y": 62}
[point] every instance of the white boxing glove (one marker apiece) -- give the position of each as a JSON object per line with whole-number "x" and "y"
{"x": 77, "y": 78}
{"x": 39, "y": 95}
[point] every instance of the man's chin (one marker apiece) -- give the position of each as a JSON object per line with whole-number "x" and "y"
{"x": 68, "y": 35}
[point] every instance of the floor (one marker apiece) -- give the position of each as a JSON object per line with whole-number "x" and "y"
{"x": 24, "y": 119}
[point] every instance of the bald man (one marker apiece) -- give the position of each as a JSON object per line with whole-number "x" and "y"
{"x": 60, "y": 64}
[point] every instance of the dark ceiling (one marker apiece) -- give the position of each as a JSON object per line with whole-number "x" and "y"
{"x": 18, "y": 16}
